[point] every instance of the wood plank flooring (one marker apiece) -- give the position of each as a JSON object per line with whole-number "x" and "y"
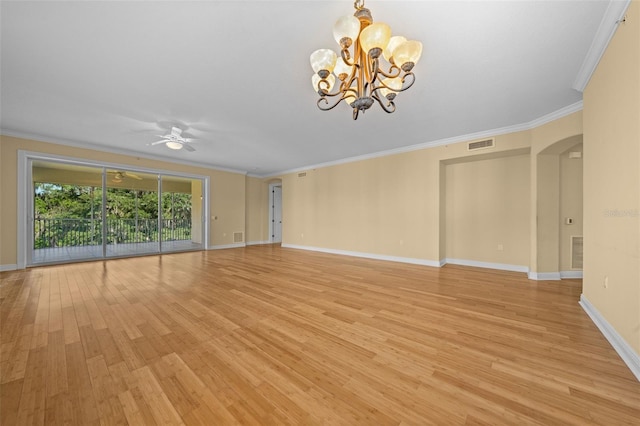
{"x": 266, "y": 335}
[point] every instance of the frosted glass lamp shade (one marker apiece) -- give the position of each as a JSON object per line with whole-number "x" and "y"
{"x": 323, "y": 59}
{"x": 393, "y": 83}
{"x": 349, "y": 98}
{"x": 394, "y": 42}
{"x": 346, "y": 27}
{"x": 342, "y": 68}
{"x": 375, "y": 36}
{"x": 408, "y": 52}
{"x": 173, "y": 145}
{"x": 315, "y": 79}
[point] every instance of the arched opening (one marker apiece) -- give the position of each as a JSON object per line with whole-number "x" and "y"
{"x": 559, "y": 210}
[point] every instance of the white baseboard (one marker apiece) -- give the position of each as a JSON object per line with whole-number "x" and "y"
{"x": 489, "y": 265}
{"x": 571, "y": 275}
{"x": 227, "y": 246}
{"x": 11, "y": 267}
{"x": 626, "y": 352}
{"x": 544, "y": 276}
{"x": 411, "y": 260}
{"x": 555, "y": 276}
{"x": 258, "y": 243}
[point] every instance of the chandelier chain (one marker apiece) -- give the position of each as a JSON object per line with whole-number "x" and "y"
{"x": 358, "y": 4}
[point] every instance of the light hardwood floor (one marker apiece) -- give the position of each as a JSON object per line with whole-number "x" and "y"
{"x": 266, "y": 335}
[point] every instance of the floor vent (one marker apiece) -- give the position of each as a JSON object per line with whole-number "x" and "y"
{"x": 576, "y": 252}
{"x": 487, "y": 143}
{"x": 238, "y": 237}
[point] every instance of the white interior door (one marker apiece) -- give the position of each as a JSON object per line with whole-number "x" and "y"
{"x": 276, "y": 214}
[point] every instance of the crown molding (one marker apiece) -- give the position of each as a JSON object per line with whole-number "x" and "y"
{"x": 608, "y": 26}
{"x": 102, "y": 148}
{"x": 562, "y": 112}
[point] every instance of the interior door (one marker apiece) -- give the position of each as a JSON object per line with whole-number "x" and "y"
{"x": 276, "y": 221}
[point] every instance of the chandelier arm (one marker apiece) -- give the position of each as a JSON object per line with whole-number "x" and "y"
{"x": 373, "y": 68}
{"x": 327, "y": 106}
{"x": 346, "y": 57}
{"x": 323, "y": 91}
{"x": 390, "y": 106}
{"x": 393, "y": 72}
{"x": 412, "y": 79}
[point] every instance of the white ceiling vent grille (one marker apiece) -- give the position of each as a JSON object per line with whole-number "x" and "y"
{"x": 576, "y": 252}
{"x": 238, "y": 237}
{"x": 483, "y": 144}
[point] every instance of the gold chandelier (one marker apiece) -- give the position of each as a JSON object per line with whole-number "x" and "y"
{"x": 363, "y": 79}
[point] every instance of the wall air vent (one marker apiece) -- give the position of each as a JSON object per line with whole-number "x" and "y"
{"x": 576, "y": 252}
{"x": 303, "y": 174}
{"x": 483, "y": 144}
{"x": 238, "y": 237}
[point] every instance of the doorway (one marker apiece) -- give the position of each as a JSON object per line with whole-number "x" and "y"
{"x": 275, "y": 213}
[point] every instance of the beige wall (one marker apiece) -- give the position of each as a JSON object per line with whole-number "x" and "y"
{"x": 388, "y": 206}
{"x": 257, "y": 212}
{"x": 612, "y": 182}
{"x": 570, "y": 203}
{"x": 227, "y": 197}
{"x": 487, "y": 210}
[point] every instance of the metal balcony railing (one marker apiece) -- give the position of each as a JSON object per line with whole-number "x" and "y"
{"x": 87, "y": 232}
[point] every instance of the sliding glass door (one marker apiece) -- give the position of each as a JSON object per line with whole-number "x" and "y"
{"x": 83, "y": 212}
{"x": 182, "y": 214}
{"x": 131, "y": 210}
{"x": 66, "y": 212}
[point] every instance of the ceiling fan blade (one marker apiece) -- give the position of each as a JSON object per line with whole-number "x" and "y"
{"x": 188, "y": 147}
{"x": 157, "y": 142}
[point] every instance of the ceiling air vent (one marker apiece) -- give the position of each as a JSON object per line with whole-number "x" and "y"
{"x": 487, "y": 143}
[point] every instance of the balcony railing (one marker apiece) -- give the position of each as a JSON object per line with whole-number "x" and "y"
{"x": 87, "y": 232}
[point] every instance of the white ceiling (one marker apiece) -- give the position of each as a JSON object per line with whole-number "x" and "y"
{"x": 236, "y": 74}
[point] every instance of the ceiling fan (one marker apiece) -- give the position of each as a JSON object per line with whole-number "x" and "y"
{"x": 120, "y": 176}
{"x": 175, "y": 140}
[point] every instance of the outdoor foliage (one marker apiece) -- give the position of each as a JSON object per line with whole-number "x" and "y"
{"x": 69, "y": 215}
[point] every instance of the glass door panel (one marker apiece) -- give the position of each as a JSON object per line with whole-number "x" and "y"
{"x": 182, "y": 214}
{"x": 66, "y": 212}
{"x": 131, "y": 210}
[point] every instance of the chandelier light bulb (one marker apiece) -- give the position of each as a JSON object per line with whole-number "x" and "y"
{"x": 407, "y": 54}
{"x": 342, "y": 70}
{"x": 375, "y": 36}
{"x": 323, "y": 60}
{"x": 346, "y": 30}
{"x": 394, "y": 42}
{"x": 395, "y": 84}
{"x": 349, "y": 98}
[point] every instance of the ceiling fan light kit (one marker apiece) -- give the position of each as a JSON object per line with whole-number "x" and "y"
{"x": 362, "y": 78}
{"x": 174, "y": 140}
